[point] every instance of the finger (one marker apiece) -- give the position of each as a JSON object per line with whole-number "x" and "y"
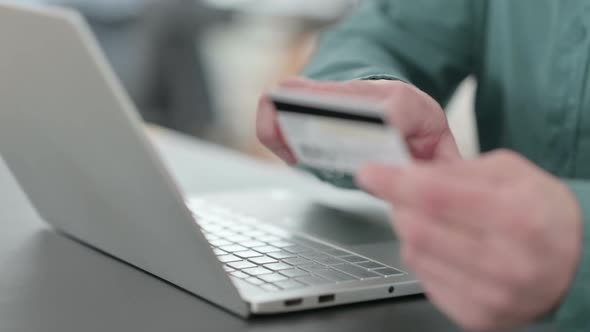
{"x": 448, "y": 256}
{"x": 422, "y": 122}
{"x": 453, "y": 200}
{"x": 416, "y": 115}
{"x": 474, "y": 169}
{"x": 505, "y": 165}
{"x": 367, "y": 90}
{"x": 493, "y": 257}
{"x": 469, "y": 300}
{"x": 269, "y": 133}
{"x": 447, "y": 149}
{"x": 428, "y": 136}
{"x": 482, "y": 255}
{"x": 459, "y": 247}
{"x": 448, "y": 300}
{"x": 297, "y": 82}
{"x": 496, "y": 168}
{"x": 451, "y": 292}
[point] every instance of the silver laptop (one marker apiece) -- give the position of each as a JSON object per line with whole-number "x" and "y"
{"x": 74, "y": 142}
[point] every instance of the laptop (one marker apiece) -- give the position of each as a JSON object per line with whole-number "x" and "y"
{"x": 73, "y": 140}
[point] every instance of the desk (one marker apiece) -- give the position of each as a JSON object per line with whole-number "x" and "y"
{"x": 49, "y": 283}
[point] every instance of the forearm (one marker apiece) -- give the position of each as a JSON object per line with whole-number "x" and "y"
{"x": 428, "y": 43}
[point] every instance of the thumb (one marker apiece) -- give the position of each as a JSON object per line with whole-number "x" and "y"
{"x": 447, "y": 149}
{"x": 378, "y": 180}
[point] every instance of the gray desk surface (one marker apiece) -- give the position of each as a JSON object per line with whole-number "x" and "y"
{"x": 50, "y": 283}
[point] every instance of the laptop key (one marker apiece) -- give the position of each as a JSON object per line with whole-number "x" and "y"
{"x": 219, "y": 252}
{"x": 270, "y": 287}
{"x": 227, "y": 225}
{"x": 277, "y": 266}
{"x": 254, "y": 281}
{"x": 297, "y": 249}
{"x": 314, "y": 244}
{"x": 242, "y": 228}
{"x": 228, "y": 258}
{"x": 248, "y": 254}
{"x": 226, "y": 234}
{"x": 334, "y": 275}
{"x": 239, "y": 274}
{"x": 252, "y": 244}
{"x": 267, "y": 249}
{"x": 281, "y": 255}
{"x": 313, "y": 280}
{"x": 297, "y": 261}
{"x": 289, "y": 284}
{"x": 233, "y": 248}
{"x": 371, "y": 265}
{"x": 240, "y": 265}
{"x": 388, "y": 272}
{"x": 269, "y": 238}
{"x": 228, "y": 269}
{"x": 356, "y": 271}
{"x": 292, "y": 273}
{"x": 336, "y": 252}
{"x": 314, "y": 255}
{"x": 256, "y": 233}
{"x": 263, "y": 260}
{"x": 281, "y": 244}
{"x": 328, "y": 260}
{"x": 311, "y": 267}
{"x": 240, "y": 238}
{"x": 220, "y": 243}
{"x": 210, "y": 237}
{"x": 274, "y": 277}
{"x": 213, "y": 228}
{"x": 353, "y": 259}
{"x": 257, "y": 271}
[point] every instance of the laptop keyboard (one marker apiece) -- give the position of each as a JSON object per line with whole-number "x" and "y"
{"x": 274, "y": 260}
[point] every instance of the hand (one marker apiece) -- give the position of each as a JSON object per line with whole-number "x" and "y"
{"x": 495, "y": 241}
{"x": 418, "y": 117}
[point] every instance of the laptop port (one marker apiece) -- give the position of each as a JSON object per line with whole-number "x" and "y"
{"x": 293, "y": 302}
{"x": 326, "y": 298}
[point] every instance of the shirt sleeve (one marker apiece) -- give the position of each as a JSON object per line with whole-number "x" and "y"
{"x": 573, "y": 313}
{"x": 431, "y": 44}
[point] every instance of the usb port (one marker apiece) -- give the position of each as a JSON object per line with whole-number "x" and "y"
{"x": 293, "y": 302}
{"x": 326, "y": 298}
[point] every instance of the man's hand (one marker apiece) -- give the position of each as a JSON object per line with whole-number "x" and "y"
{"x": 495, "y": 241}
{"x": 418, "y": 117}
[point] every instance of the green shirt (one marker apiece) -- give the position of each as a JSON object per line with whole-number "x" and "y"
{"x": 531, "y": 59}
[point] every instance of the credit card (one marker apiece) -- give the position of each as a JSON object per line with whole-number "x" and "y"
{"x": 335, "y": 136}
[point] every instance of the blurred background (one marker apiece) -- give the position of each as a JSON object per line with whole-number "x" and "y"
{"x": 199, "y": 66}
